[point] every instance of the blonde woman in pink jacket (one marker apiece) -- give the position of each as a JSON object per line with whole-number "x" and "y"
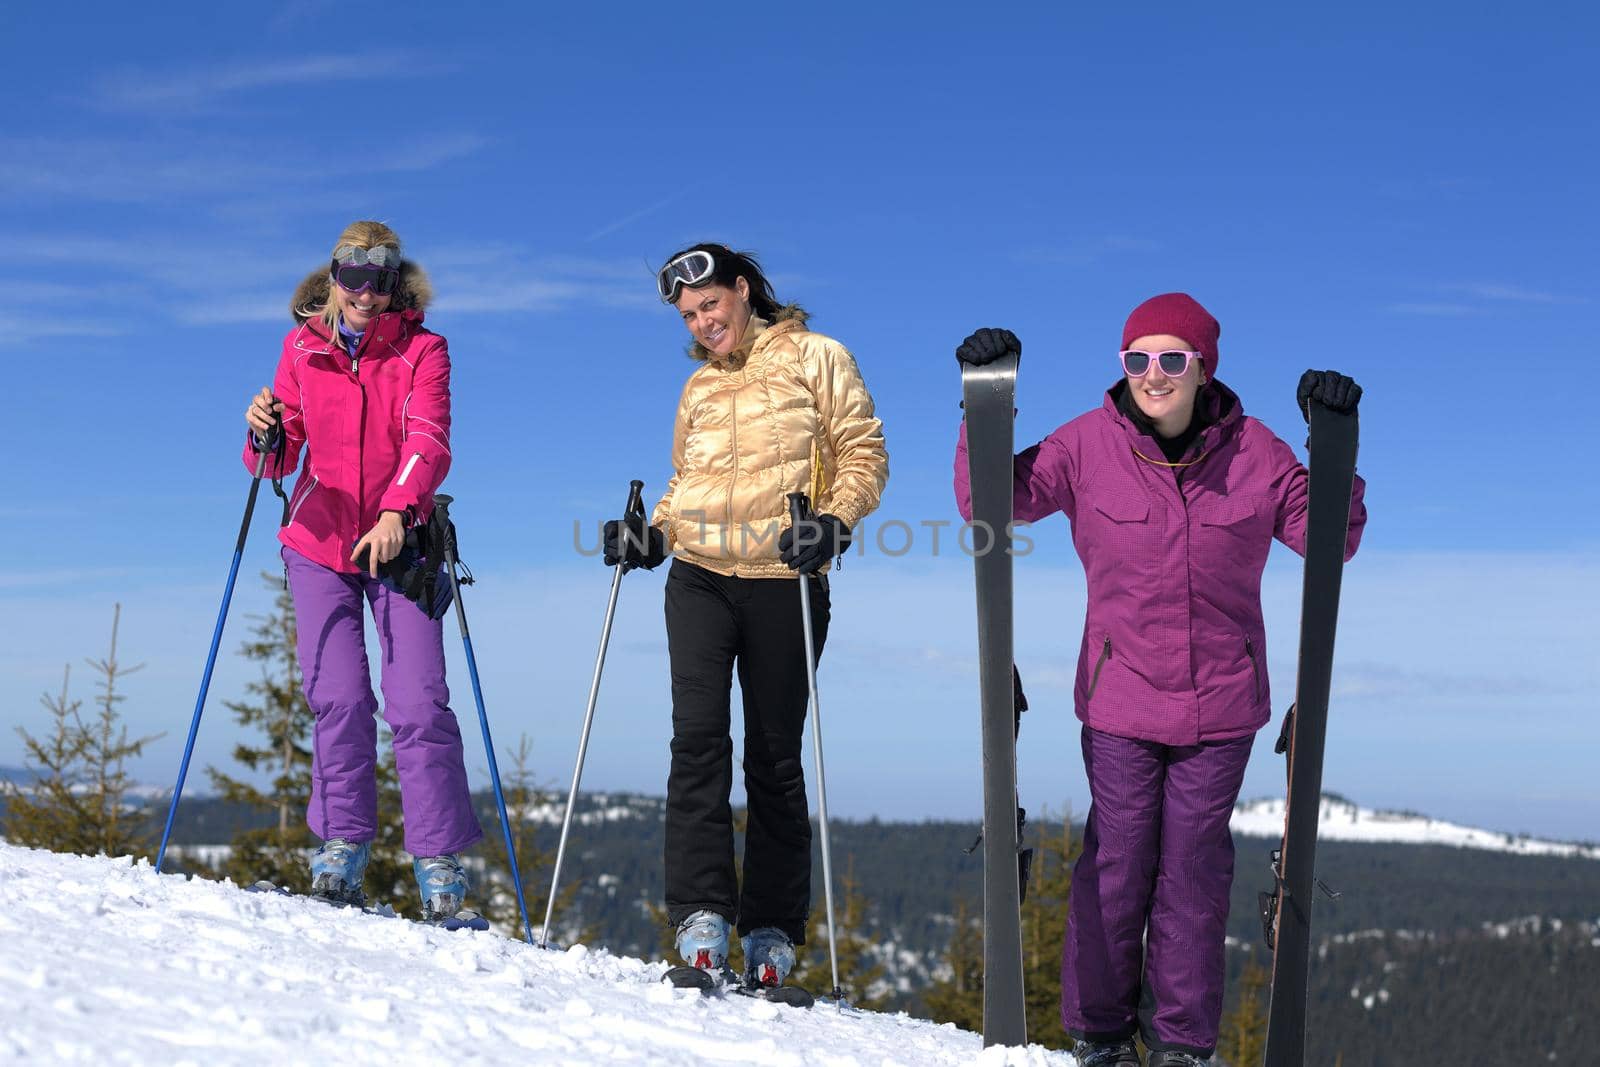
{"x": 363, "y": 389}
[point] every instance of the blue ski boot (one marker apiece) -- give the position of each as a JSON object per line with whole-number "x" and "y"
{"x": 768, "y": 957}
{"x": 337, "y": 868}
{"x": 703, "y": 941}
{"x": 1178, "y": 1059}
{"x": 442, "y": 883}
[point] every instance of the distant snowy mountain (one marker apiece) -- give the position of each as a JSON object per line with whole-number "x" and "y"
{"x": 106, "y": 961}
{"x": 1343, "y": 820}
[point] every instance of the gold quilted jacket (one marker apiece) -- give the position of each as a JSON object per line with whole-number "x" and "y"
{"x": 785, "y": 413}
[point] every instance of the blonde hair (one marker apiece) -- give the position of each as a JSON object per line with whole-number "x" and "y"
{"x": 314, "y": 298}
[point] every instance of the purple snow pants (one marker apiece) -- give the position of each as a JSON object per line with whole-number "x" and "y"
{"x": 416, "y": 704}
{"x": 1157, "y": 857}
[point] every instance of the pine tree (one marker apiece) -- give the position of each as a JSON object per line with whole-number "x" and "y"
{"x": 1044, "y": 925}
{"x": 1243, "y": 1038}
{"x": 958, "y": 998}
{"x": 78, "y": 798}
{"x": 495, "y": 897}
{"x": 859, "y": 968}
{"x": 278, "y": 852}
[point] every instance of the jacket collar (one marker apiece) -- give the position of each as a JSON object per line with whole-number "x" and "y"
{"x": 1221, "y": 418}
{"x": 789, "y": 318}
{"x": 385, "y": 331}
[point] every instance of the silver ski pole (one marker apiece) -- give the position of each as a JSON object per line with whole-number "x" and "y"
{"x": 799, "y": 511}
{"x": 635, "y": 508}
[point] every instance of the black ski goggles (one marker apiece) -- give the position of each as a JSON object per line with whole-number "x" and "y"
{"x": 693, "y": 269}
{"x": 354, "y": 279}
{"x": 359, "y": 269}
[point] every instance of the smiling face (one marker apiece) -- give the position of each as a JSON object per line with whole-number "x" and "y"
{"x": 716, "y": 316}
{"x": 358, "y": 309}
{"x": 1167, "y": 402}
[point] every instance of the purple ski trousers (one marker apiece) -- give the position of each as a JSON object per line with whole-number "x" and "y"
{"x": 434, "y": 798}
{"x": 1149, "y": 911}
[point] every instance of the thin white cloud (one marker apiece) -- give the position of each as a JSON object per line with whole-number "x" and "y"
{"x": 133, "y": 171}
{"x": 202, "y": 89}
{"x": 16, "y": 329}
{"x": 1438, "y": 309}
{"x": 632, "y": 217}
{"x": 1498, "y": 292}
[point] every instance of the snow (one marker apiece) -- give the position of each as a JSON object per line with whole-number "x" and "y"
{"x": 1342, "y": 820}
{"x": 107, "y": 962}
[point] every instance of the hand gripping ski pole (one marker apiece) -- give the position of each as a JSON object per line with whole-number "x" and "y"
{"x": 799, "y": 512}
{"x": 441, "y": 504}
{"x": 634, "y": 510}
{"x": 211, "y": 657}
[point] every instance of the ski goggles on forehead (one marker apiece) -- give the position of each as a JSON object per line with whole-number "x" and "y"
{"x": 693, "y": 269}
{"x": 1174, "y": 363}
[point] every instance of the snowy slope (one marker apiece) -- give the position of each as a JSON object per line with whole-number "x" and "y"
{"x": 104, "y": 961}
{"x": 1341, "y": 820}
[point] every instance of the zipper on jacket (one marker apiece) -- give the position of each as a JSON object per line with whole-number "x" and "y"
{"x": 1255, "y": 670}
{"x": 1094, "y": 682}
{"x": 733, "y": 475}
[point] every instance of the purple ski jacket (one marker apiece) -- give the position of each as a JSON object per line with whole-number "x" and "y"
{"x": 1173, "y": 648}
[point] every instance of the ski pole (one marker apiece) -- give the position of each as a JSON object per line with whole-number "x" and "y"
{"x": 634, "y": 509}
{"x": 800, "y": 511}
{"x": 211, "y": 657}
{"x": 441, "y": 504}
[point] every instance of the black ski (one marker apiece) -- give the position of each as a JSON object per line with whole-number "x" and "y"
{"x": 712, "y": 983}
{"x": 1286, "y": 912}
{"x": 988, "y": 393}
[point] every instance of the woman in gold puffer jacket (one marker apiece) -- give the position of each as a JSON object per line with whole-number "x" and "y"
{"x": 773, "y": 409}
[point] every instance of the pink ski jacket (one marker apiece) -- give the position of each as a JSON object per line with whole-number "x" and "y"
{"x": 1173, "y": 648}
{"x": 375, "y": 426}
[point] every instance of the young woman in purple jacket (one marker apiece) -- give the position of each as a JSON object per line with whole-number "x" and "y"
{"x": 1174, "y": 496}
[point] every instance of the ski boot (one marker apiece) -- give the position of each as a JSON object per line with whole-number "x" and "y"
{"x": 1107, "y": 1053}
{"x": 703, "y": 945}
{"x": 337, "y": 868}
{"x": 442, "y": 883}
{"x": 768, "y": 957}
{"x": 1178, "y": 1059}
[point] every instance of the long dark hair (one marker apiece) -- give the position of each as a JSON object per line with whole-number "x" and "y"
{"x": 1204, "y": 408}
{"x": 729, "y": 267}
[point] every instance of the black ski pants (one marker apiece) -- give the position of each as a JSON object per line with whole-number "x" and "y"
{"x": 714, "y": 623}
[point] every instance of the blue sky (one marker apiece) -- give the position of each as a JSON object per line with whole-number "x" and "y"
{"x": 1403, "y": 194}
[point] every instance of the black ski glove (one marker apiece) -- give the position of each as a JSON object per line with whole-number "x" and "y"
{"x": 632, "y": 542}
{"x": 1331, "y": 389}
{"x": 820, "y": 539}
{"x": 987, "y": 345}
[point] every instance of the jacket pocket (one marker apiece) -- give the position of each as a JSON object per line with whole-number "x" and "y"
{"x": 1099, "y": 665}
{"x": 1255, "y": 665}
{"x": 1119, "y": 507}
{"x": 301, "y": 498}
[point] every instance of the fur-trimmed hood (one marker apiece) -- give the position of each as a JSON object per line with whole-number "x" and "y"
{"x": 311, "y": 295}
{"x": 788, "y": 313}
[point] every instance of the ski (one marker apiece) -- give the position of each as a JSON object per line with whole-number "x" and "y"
{"x": 988, "y": 397}
{"x": 713, "y": 983}
{"x": 461, "y": 920}
{"x": 1286, "y": 911}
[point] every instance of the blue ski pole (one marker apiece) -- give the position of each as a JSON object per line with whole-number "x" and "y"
{"x": 441, "y": 504}
{"x": 211, "y": 657}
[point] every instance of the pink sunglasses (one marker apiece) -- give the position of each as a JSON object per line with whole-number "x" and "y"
{"x": 1174, "y": 363}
